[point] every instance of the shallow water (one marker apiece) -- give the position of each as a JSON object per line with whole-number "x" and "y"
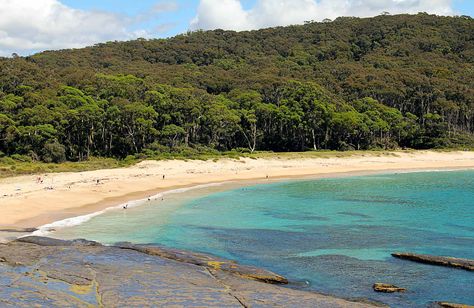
{"x": 332, "y": 235}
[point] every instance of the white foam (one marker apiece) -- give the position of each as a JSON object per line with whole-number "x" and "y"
{"x": 47, "y": 229}
{"x": 78, "y": 220}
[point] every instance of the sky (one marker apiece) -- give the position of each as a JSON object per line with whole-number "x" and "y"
{"x": 30, "y": 26}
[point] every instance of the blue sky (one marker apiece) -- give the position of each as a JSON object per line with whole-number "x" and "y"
{"x": 29, "y": 26}
{"x": 466, "y": 7}
{"x": 178, "y": 21}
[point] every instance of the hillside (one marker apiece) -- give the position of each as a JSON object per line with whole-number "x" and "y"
{"x": 383, "y": 82}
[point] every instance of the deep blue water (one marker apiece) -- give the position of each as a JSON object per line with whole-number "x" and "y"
{"x": 332, "y": 235}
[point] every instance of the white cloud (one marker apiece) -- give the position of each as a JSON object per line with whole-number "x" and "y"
{"x": 225, "y": 14}
{"x": 27, "y": 26}
{"x": 230, "y": 15}
{"x": 164, "y": 6}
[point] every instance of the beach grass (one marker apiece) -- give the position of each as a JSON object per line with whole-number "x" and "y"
{"x": 10, "y": 167}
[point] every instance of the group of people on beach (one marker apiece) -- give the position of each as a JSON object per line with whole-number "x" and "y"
{"x": 162, "y": 198}
{"x": 148, "y": 199}
{"x": 40, "y": 180}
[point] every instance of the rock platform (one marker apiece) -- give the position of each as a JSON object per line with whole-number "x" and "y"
{"x": 38, "y": 271}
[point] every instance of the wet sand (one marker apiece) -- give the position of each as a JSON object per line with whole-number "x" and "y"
{"x": 26, "y": 203}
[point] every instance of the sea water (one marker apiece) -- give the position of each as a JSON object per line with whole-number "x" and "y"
{"x": 332, "y": 235}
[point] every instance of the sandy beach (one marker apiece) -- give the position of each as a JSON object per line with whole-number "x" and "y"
{"x": 27, "y": 202}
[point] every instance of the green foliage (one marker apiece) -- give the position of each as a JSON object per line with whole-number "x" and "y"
{"x": 351, "y": 84}
{"x": 22, "y": 158}
{"x": 172, "y": 133}
{"x": 54, "y": 152}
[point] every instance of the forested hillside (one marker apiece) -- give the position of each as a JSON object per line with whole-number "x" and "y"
{"x": 383, "y": 82}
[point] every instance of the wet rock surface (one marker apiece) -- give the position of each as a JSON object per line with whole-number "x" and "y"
{"x": 209, "y": 262}
{"x": 36, "y": 271}
{"x": 451, "y": 305}
{"x": 19, "y": 230}
{"x": 387, "y": 288}
{"x": 46, "y": 241}
{"x": 465, "y": 264}
{"x": 10, "y": 234}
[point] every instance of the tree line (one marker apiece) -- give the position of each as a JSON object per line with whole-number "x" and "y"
{"x": 384, "y": 82}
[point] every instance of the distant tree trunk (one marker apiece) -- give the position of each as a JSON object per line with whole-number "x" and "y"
{"x": 110, "y": 143}
{"x": 131, "y": 133}
{"x": 314, "y": 140}
{"x": 252, "y": 139}
{"x": 186, "y": 138}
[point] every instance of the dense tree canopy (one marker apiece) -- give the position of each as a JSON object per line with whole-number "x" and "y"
{"x": 383, "y": 82}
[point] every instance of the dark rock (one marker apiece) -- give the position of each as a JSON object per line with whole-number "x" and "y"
{"x": 208, "y": 262}
{"x": 466, "y": 264}
{"x": 46, "y": 241}
{"x": 19, "y": 230}
{"x": 387, "y": 288}
{"x": 452, "y": 305}
{"x": 68, "y": 274}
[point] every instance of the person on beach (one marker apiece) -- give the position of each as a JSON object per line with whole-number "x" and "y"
{"x": 163, "y": 176}
{"x": 125, "y": 206}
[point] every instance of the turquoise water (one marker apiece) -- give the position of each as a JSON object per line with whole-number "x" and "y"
{"x": 332, "y": 235}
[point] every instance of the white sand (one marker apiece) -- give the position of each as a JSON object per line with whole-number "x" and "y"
{"x": 26, "y": 203}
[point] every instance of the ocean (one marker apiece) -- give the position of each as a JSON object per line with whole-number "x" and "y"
{"x": 331, "y": 235}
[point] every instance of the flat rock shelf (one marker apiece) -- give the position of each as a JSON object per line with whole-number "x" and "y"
{"x": 80, "y": 273}
{"x": 465, "y": 264}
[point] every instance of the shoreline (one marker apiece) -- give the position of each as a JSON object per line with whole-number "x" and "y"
{"x": 137, "y": 183}
{"x": 50, "y": 228}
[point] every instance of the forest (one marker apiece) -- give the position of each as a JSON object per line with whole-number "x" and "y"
{"x": 388, "y": 82}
